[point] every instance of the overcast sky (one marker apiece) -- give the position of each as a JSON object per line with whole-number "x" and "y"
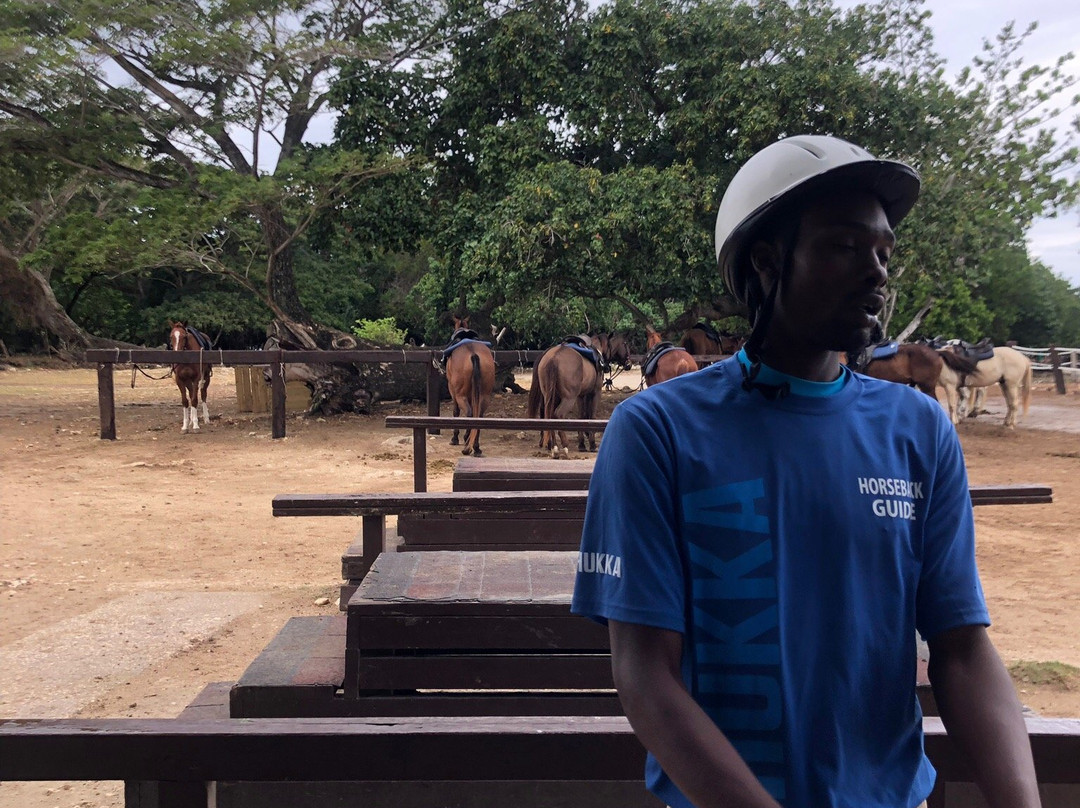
{"x": 960, "y": 26}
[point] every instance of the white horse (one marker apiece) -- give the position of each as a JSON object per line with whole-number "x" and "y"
{"x": 1008, "y": 368}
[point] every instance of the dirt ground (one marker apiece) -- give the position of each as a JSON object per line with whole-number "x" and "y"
{"x": 134, "y": 572}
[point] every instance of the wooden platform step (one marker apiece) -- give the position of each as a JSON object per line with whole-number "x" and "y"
{"x": 299, "y": 674}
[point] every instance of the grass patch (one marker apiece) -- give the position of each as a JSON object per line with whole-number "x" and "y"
{"x": 1057, "y": 675}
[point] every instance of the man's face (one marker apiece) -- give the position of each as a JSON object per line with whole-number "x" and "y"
{"x": 834, "y": 292}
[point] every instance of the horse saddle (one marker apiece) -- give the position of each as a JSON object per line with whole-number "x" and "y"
{"x": 978, "y": 351}
{"x": 708, "y": 330}
{"x": 200, "y": 338}
{"x": 463, "y": 336}
{"x": 648, "y": 367}
{"x": 582, "y": 346}
{"x": 883, "y": 350}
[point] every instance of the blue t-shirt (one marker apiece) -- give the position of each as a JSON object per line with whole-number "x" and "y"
{"x": 797, "y": 544}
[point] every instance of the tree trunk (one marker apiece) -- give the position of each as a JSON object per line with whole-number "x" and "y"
{"x": 280, "y": 281}
{"x": 916, "y": 321}
{"x": 31, "y": 300}
{"x": 338, "y": 387}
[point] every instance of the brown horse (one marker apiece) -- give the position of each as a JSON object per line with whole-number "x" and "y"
{"x": 912, "y": 364}
{"x": 562, "y": 378}
{"x": 191, "y": 377}
{"x": 615, "y": 349}
{"x": 923, "y": 367}
{"x": 671, "y": 363}
{"x": 470, "y": 376}
{"x": 703, "y": 340}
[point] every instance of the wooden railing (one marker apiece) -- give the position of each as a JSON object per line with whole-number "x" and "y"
{"x": 183, "y": 757}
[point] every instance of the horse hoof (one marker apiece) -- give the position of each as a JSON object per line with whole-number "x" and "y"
{"x": 466, "y": 451}
{"x": 454, "y": 441}
{"x": 478, "y": 453}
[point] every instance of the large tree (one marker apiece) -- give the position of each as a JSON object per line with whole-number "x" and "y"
{"x": 208, "y": 102}
{"x": 546, "y": 119}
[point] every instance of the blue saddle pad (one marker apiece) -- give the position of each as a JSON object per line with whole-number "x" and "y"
{"x": 449, "y": 349}
{"x": 588, "y": 353}
{"x": 885, "y": 350}
{"x": 649, "y": 367}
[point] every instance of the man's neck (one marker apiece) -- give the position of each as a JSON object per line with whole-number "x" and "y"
{"x": 814, "y": 366}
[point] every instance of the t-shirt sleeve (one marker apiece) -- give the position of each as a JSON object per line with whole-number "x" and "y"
{"x": 630, "y": 567}
{"x": 949, "y": 594}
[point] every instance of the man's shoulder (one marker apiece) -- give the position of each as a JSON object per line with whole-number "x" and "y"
{"x": 691, "y": 389}
{"x": 899, "y": 398}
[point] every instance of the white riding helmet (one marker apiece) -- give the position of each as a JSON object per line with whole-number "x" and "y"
{"x": 800, "y": 164}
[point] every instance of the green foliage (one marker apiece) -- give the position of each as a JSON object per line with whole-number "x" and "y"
{"x": 380, "y": 332}
{"x": 548, "y": 165}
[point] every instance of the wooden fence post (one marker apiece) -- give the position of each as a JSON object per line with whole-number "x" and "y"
{"x": 106, "y": 402}
{"x": 1059, "y": 375}
{"x": 434, "y": 385}
{"x": 277, "y": 397}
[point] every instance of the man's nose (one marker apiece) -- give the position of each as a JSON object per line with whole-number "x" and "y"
{"x": 877, "y": 270}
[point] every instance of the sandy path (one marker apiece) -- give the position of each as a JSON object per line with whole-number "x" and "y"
{"x": 134, "y": 572}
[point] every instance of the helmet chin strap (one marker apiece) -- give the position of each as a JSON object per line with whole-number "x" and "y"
{"x": 753, "y": 348}
{"x": 759, "y": 328}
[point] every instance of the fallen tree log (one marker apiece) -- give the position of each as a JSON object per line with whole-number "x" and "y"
{"x": 357, "y": 387}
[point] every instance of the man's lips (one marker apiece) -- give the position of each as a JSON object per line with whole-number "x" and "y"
{"x": 872, "y": 305}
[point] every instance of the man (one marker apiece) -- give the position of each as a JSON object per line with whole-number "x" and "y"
{"x": 784, "y": 526}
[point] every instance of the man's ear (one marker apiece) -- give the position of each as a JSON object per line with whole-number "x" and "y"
{"x": 765, "y": 260}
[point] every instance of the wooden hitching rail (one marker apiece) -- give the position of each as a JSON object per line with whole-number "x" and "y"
{"x": 420, "y": 424}
{"x": 181, "y": 752}
{"x": 106, "y": 358}
{"x": 373, "y": 508}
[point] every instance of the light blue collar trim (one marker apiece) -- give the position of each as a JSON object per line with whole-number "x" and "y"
{"x": 798, "y": 387}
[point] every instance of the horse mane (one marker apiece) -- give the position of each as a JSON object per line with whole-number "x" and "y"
{"x": 958, "y": 363}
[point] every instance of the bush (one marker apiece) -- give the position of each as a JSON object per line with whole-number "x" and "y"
{"x": 380, "y": 332}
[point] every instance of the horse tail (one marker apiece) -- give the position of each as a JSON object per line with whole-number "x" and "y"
{"x": 964, "y": 367}
{"x": 535, "y": 406}
{"x": 474, "y": 399}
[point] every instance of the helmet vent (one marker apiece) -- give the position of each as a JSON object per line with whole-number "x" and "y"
{"x": 812, "y": 149}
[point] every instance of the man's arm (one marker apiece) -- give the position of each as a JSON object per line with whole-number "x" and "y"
{"x": 982, "y": 715}
{"x": 689, "y": 746}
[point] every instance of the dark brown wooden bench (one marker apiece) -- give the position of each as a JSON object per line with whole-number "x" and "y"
{"x": 450, "y": 633}
{"x": 497, "y": 520}
{"x": 420, "y": 424}
{"x": 521, "y": 474}
{"x": 517, "y": 520}
{"x": 465, "y": 762}
{"x": 542, "y": 474}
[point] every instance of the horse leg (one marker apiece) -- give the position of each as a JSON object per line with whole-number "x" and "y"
{"x": 470, "y": 432}
{"x": 186, "y": 427}
{"x": 202, "y": 390}
{"x": 952, "y": 395}
{"x": 1011, "y": 394}
{"x": 457, "y": 411}
{"x": 564, "y": 409}
{"x": 194, "y": 399}
{"x": 588, "y": 412}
